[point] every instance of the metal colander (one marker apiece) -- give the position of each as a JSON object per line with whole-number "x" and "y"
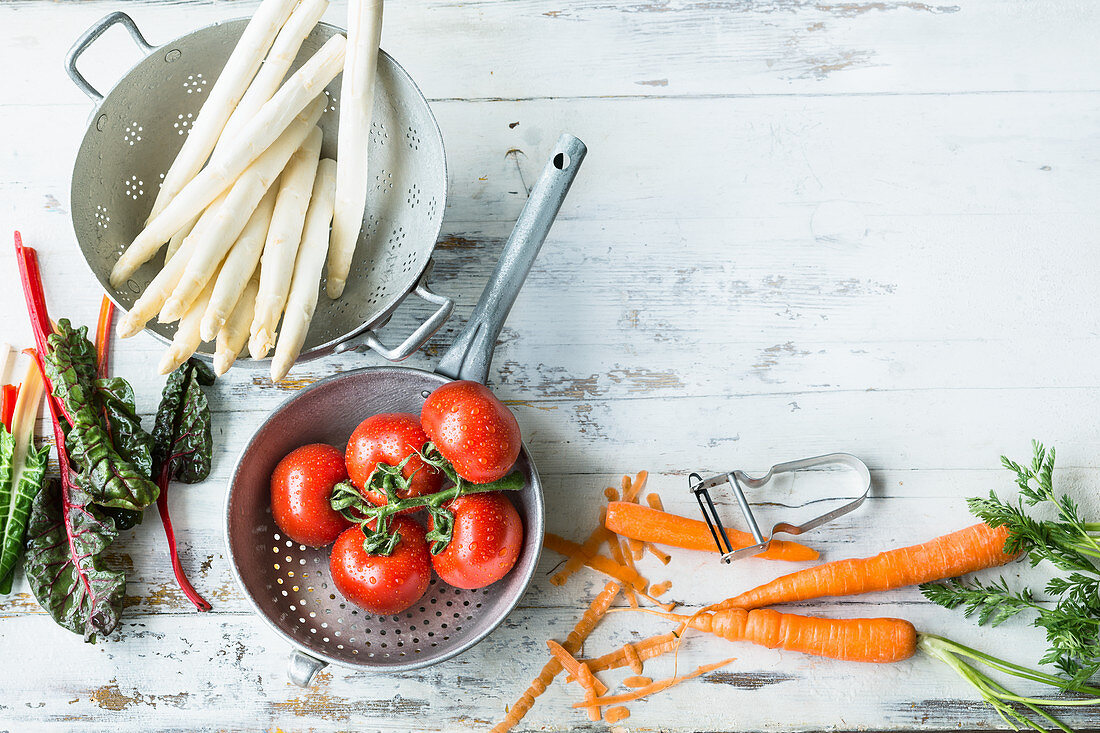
{"x": 289, "y": 584}
{"x": 139, "y": 126}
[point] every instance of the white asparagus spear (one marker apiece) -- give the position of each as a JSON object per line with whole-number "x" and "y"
{"x": 302, "y": 300}
{"x": 238, "y": 267}
{"x": 274, "y": 68}
{"x": 233, "y": 336}
{"x": 233, "y": 214}
{"x": 356, "y": 105}
{"x": 283, "y": 238}
{"x": 224, "y": 95}
{"x": 160, "y": 288}
{"x": 177, "y": 239}
{"x": 187, "y": 339}
{"x": 294, "y": 98}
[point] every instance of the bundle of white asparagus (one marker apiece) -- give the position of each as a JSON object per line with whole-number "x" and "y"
{"x": 246, "y": 206}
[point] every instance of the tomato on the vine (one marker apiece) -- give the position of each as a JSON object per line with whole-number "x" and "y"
{"x": 487, "y": 540}
{"x": 300, "y": 488}
{"x": 473, "y": 430}
{"x": 390, "y": 438}
{"x": 382, "y": 584}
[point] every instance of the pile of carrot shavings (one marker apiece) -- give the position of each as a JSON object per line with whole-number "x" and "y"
{"x": 618, "y": 564}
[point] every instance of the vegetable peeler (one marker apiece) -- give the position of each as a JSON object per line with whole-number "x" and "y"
{"x": 739, "y": 480}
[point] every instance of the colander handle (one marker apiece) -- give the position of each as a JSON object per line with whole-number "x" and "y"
{"x": 89, "y": 37}
{"x": 472, "y": 352}
{"x": 419, "y": 337}
{"x": 301, "y": 667}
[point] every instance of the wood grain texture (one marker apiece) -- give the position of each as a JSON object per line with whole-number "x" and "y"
{"x": 803, "y": 226}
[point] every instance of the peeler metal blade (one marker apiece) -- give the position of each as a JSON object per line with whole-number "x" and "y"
{"x": 739, "y": 480}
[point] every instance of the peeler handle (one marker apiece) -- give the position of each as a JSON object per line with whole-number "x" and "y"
{"x": 89, "y": 37}
{"x": 472, "y": 352}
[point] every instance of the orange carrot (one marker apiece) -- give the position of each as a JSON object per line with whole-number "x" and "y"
{"x": 851, "y": 639}
{"x": 599, "y": 563}
{"x": 590, "y": 547}
{"x": 656, "y": 686}
{"x": 615, "y": 714}
{"x": 571, "y": 665}
{"x": 637, "y": 681}
{"x": 651, "y": 525}
{"x": 974, "y": 548}
{"x": 572, "y": 644}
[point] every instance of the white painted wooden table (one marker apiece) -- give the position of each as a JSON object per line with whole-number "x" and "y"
{"x": 802, "y": 227}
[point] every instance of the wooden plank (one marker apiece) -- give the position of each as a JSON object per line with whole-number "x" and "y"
{"x": 509, "y": 49}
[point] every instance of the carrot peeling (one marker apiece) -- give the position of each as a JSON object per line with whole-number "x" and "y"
{"x": 637, "y": 681}
{"x": 659, "y": 589}
{"x": 571, "y": 665}
{"x": 573, "y": 642}
{"x": 599, "y": 563}
{"x": 648, "y": 648}
{"x": 611, "y": 493}
{"x": 615, "y": 714}
{"x": 658, "y": 553}
{"x": 588, "y": 682}
{"x": 656, "y": 687}
{"x": 589, "y": 548}
{"x": 650, "y": 525}
{"x": 632, "y": 658}
{"x": 975, "y": 548}
{"x": 654, "y": 501}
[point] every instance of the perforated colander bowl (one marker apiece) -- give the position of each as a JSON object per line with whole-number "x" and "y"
{"x": 138, "y": 127}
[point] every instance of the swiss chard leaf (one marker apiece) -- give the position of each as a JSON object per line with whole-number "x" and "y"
{"x": 109, "y": 478}
{"x": 7, "y": 469}
{"x": 116, "y": 398}
{"x": 29, "y": 485}
{"x": 63, "y": 563}
{"x": 182, "y": 440}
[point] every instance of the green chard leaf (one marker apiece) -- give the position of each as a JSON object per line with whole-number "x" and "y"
{"x": 7, "y": 467}
{"x": 30, "y": 484}
{"x": 116, "y": 398}
{"x": 111, "y": 479}
{"x": 63, "y": 563}
{"x": 182, "y": 439}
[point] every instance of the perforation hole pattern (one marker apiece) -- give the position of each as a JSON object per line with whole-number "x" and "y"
{"x": 309, "y": 603}
{"x": 147, "y": 117}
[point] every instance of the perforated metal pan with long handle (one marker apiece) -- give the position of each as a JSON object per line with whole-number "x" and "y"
{"x": 138, "y": 127}
{"x": 289, "y": 584}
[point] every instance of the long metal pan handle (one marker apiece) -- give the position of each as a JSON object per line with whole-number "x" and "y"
{"x": 472, "y": 352}
{"x": 89, "y": 37}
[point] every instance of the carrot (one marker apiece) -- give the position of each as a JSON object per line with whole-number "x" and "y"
{"x": 589, "y": 548}
{"x": 958, "y": 553}
{"x": 656, "y": 686}
{"x": 573, "y": 641}
{"x": 615, "y": 714}
{"x": 637, "y": 681}
{"x": 650, "y": 525}
{"x": 571, "y": 665}
{"x": 851, "y": 639}
{"x": 599, "y": 563}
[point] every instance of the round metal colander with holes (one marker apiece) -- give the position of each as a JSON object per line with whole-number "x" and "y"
{"x": 138, "y": 127}
{"x": 289, "y": 584}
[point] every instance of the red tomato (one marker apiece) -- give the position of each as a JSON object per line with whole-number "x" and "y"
{"x": 382, "y": 584}
{"x": 487, "y": 539}
{"x": 300, "y": 489}
{"x": 389, "y": 438}
{"x": 473, "y": 430}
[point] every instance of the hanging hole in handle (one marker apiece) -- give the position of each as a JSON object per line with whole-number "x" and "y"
{"x": 561, "y": 161}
